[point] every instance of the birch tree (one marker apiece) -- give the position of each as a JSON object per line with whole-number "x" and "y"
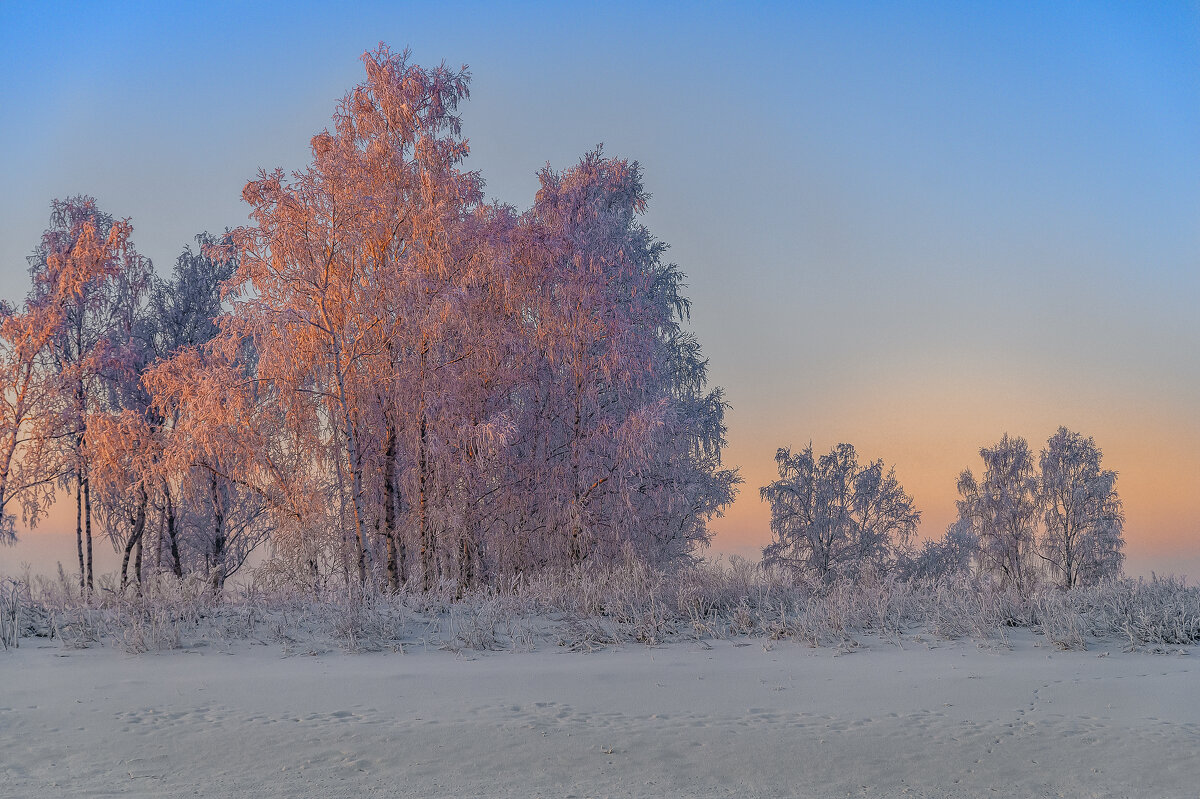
{"x": 1002, "y": 509}
{"x": 123, "y": 457}
{"x": 87, "y": 268}
{"x": 948, "y": 556}
{"x": 225, "y": 471}
{"x": 346, "y": 251}
{"x": 611, "y": 428}
{"x": 1082, "y": 543}
{"x": 184, "y": 310}
{"x": 137, "y": 488}
{"x": 830, "y": 515}
{"x": 401, "y": 383}
{"x": 31, "y": 455}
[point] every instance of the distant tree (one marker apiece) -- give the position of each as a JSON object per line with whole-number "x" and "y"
{"x": 1002, "y": 510}
{"x": 1082, "y": 542}
{"x": 185, "y": 306}
{"x": 831, "y": 515}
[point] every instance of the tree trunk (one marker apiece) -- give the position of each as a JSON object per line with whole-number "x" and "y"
{"x": 466, "y": 566}
{"x": 218, "y": 550}
{"x": 85, "y": 566}
{"x": 389, "y": 507}
{"x": 125, "y": 556}
{"x": 87, "y": 530}
{"x": 1069, "y": 555}
{"x": 427, "y": 543}
{"x": 137, "y": 565}
{"x": 140, "y": 535}
{"x": 79, "y": 532}
{"x": 172, "y": 533}
{"x": 576, "y": 545}
{"x": 135, "y": 541}
{"x": 423, "y": 509}
{"x": 355, "y": 457}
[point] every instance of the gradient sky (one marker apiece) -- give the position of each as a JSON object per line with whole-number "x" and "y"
{"x": 913, "y": 227}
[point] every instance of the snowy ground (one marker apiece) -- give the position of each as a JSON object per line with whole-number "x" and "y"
{"x": 738, "y": 719}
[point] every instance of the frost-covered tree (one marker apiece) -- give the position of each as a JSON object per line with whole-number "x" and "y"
{"x": 123, "y": 456}
{"x": 143, "y": 492}
{"x": 1059, "y": 518}
{"x": 479, "y": 393}
{"x": 830, "y": 515}
{"x": 193, "y": 491}
{"x": 88, "y": 270}
{"x": 686, "y": 483}
{"x": 122, "y": 445}
{"x": 1002, "y": 509}
{"x": 397, "y": 382}
{"x": 185, "y": 306}
{"x": 595, "y": 320}
{"x": 1082, "y": 542}
{"x": 31, "y": 456}
{"x": 950, "y": 555}
{"x": 218, "y": 472}
{"x": 348, "y": 280}
{"x": 618, "y": 438}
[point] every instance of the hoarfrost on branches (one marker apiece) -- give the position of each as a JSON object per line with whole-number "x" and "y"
{"x": 1082, "y": 543}
{"x": 832, "y": 516}
{"x": 394, "y": 382}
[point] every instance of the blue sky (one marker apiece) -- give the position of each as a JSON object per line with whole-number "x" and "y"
{"x": 912, "y": 226}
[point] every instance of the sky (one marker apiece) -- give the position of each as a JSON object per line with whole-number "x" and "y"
{"x": 913, "y": 227}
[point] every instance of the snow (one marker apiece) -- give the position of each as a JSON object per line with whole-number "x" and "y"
{"x": 742, "y": 718}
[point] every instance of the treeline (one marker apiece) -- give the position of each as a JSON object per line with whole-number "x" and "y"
{"x": 387, "y": 379}
{"x": 1023, "y": 522}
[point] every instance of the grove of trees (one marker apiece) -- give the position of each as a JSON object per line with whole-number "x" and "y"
{"x": 1023, "y": 522}
{"x": 386, "y": 379}
{"x": 1058, "y": 518}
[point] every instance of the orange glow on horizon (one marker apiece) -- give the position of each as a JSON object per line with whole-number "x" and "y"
{"x": 931, "y": 434}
